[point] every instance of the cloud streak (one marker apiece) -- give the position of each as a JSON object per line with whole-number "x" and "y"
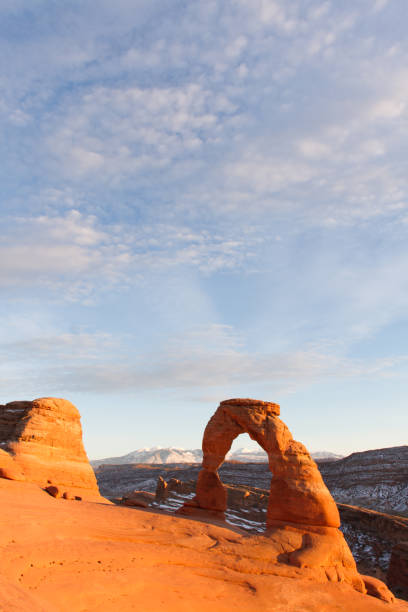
{"x": 74, "y": 250}
{"x": 202, "y": 358}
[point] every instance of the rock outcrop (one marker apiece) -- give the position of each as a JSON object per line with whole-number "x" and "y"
{"x": 138, "y": 499}
{"x": 302, "y": 517}
{"x": 41, "y": 443}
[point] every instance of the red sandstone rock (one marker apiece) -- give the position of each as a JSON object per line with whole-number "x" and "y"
{"x": 70, "y": 557}
{"x": 140, "y": 499}
{"x": 211, "y": 494}
{"x": 248, "y": 402}
{"x": 161, "y": 489}
{"x": 9, "y": 468}
{"x": 378, "y": 589}
{"x": 302, "y": 517}
{"x": 53, "y": 491}
{"x": 42, "y": 444}
{"x": 298, "y": 493}
{"x": 68, "y": 495}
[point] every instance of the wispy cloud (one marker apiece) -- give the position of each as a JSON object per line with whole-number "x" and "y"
{"x": 201, "y": 358}
{"x": 117, "y": 131}
{"x": 75, "y": 254}
{"x": 62, "y": 253}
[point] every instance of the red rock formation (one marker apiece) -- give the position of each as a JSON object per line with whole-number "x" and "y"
{"x": 302, "y": 517}
{"x": 161, "y": 489}
{"x": 378, "y": 589}
{"x": 139, "y": 499}
{"x": 62, "y": 555}
{"x": 298, "y": 493}
{"x": 41, "y": 443}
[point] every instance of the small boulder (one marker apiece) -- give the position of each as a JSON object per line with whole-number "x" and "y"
{"x": 67, "y": 495}
{"x": 53, "y": 491}
{"x": 140, "y": 499}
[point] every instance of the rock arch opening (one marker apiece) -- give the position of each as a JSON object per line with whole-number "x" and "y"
{"x": 246, "y": 477}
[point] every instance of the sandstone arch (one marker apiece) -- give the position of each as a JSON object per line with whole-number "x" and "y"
{"x": 302, "y": 517}
{"x": 298, "y": 493}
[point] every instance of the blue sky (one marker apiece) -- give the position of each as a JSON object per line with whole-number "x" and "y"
{"x": 203, "y": 200}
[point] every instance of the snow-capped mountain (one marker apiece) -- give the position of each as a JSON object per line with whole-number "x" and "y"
{"x": 158, "y": 455}
{"x": 248, "y": 455}
{"x": 326, "y": 456}
{"x": 155, "y": 455}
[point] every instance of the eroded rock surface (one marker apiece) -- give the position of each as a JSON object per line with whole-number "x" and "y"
{"x": 302, "y": 518}
{"x": 41, "y": 442}
{"x": 370, "y": 535}
{"x": 72, "y": 556}
{"x": 138, "y": 499}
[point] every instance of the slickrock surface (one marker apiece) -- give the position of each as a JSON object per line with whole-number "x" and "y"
{"x": 65, "y": 556}
{"x": 302, "y": 518}
{"x": 370, "y": 535}
{"x": 376, "y": 479}
{"x": 41, "y": 442}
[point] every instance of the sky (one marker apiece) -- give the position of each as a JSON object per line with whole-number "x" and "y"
{"x": 205, "y": 200}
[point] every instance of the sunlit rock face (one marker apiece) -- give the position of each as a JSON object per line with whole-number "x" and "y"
{"x": 41, "y": 442}
{"x": 297, "y": 494}
{"x": 302, "y": 517}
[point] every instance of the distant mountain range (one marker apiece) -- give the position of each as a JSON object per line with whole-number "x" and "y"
{"x": 158, "y": 455}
